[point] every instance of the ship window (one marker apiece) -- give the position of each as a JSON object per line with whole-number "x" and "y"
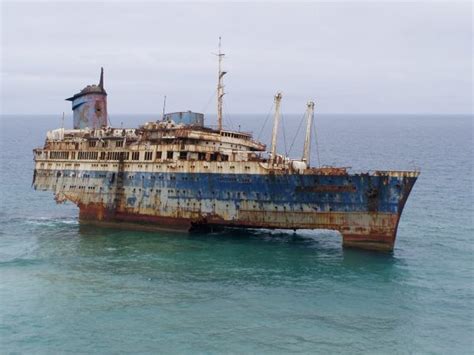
{"x": 148, "y": 155}
{"x": 183, "y": 155}
{"x": 92, "y": 143}
{"x": 169, "y": 155}
{"x": 119, "y": 143}
{"x": 135, "y": 155}
{"x": 158, "y": 155}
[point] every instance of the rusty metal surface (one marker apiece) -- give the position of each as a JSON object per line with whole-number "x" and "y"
{"x": 90, "y": 106}
{"x": 178, "y": 176}
{"x": 365, "y": 208}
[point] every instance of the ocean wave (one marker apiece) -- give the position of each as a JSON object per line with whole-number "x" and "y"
{"x": 43, "y": 221}
{"x": 11, "y": 260}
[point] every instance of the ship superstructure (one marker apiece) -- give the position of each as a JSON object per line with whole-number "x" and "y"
{"x": 176, "y": 173}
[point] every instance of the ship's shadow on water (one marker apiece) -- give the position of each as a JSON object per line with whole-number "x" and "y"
{"x": 317, "y": 241}
{"x": 233, "y": 255}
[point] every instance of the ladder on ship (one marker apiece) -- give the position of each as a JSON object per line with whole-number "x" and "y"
{"x": 119, "y": 195}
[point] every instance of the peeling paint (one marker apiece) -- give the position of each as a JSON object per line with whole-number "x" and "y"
{"x": 187, "y": 176}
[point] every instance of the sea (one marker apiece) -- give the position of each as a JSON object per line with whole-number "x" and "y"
{"x": 72, "y": 288}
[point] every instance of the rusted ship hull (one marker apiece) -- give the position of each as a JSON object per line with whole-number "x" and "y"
{"x": 372, "y": 230}
{"x": 364, "y": 208}
{"x": 176, "y": 173}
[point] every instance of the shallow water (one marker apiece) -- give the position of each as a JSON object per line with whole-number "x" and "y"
{"x": 66, "y": 287}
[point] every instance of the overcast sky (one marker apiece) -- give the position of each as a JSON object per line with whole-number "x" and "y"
{"x": 365, "y": 57}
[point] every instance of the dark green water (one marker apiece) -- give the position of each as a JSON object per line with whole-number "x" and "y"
{"x": 71, "y": 288}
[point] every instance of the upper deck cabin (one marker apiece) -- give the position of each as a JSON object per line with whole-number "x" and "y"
{"x": 177, "y": 136}
{"x": 161, "y": 140}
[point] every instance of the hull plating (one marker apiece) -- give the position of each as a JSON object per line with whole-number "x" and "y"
{"x": 364, "y": 208}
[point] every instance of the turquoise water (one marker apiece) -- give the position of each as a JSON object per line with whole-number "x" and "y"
{"x": 71, "y": 288}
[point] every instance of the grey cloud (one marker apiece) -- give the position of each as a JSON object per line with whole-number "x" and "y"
{"x": 350, "y": 57}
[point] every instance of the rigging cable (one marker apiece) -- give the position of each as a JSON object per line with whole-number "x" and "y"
{"x": 284, "y": 134}
{"x": 231, "y": 123}
{"x": 317, "y": 144}
{"x": 265, "y": 122}
{"x": 297, "y": 131}
{"x": 204, "y": 109}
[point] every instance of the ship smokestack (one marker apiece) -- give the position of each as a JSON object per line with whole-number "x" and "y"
{"x": 89, "y": 106}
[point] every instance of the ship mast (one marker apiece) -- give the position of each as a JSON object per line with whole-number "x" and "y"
{"x": 276, "y": 120}
{"x": 220, "y": 88}
{"x": 164, "y": 109}
{"x": 307, "y": 140}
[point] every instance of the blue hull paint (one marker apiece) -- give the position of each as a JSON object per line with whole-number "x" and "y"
{"x": 325, "y": 193}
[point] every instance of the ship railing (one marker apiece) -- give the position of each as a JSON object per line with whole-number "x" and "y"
{"x": 398, "y": 173}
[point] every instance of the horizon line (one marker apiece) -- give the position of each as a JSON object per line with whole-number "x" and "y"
{"x": 255, "y": 113}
